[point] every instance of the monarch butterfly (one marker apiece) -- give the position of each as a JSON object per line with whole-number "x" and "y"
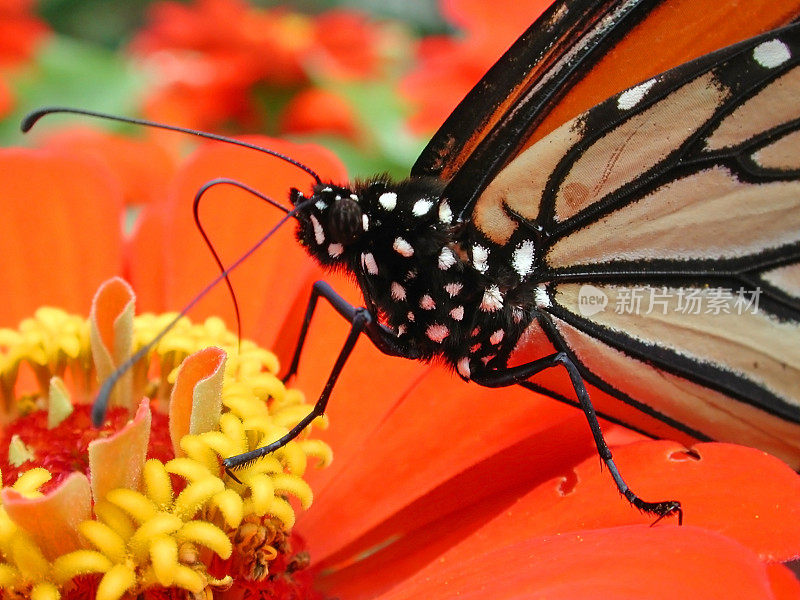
{"x": 533, "y": 201}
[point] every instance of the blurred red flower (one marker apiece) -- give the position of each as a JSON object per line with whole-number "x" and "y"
{"x": 439, "y": 488}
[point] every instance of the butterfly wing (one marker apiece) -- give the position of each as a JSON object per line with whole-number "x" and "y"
{"x": 685, "y": 191}
{"x": 575, "y": 55}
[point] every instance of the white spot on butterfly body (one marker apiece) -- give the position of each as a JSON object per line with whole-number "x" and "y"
{"x": 365, "y": 222}
{"x": 320, "y": 205}
{"x": 522, "y": 258}
{"x": 517, "y": 313}
{"x": 327, "y": 189}
{"x": 402, "y": 247}
{"x": 497, "y": 337}
{"x": 354, "y": 197}
{"x": 453, "y": 289}
{"x": 335, "y": 250}
{"x": 447, "y": 258}
{"x": 492, "y": 299}
{"x": 480, "y": 258}
{"x": 368, "y": 262}
{"x": 630, "y": 98}
{"x": 319, "y": 233}
{"x": 457, "y": 313}
{"x": 437, "y": 333}
{"x": 398, "y": 292}
{"x": 388, "y": 200}
{"x": 427, "y": 303}
{"x": 771, "y": 54}
{"x": 421, "y": 207}
{"x": 445, "y": 214}
{"x": 462, "y": 366}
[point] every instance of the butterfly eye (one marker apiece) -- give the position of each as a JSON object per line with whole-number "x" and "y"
{"x": 345, "y": 221}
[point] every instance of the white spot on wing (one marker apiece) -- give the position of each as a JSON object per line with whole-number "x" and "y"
{"x": 427, "y": 303}
{"x": 368, "y": 262}
{"x": 437, "y": 333}
{"x": 402, "y": 247}
{"x": 462, "y": 366}
{"x": 630, "y": 98}
{"x": 541, "y": 296}
{"x": 445, "y": 214}
{"x": 335, "y": 250}
{"x": 447, "y": 258}
{"x": 522, "y": 258}
{"x": 480, "y": 258}
{"x": 421, "y": 207}
{"x": 492, "y": 299}
{"x": 398, "y": 292}
{"x": 365, "y": 222}
{"x": 319, "y": 234}
{"x": 771, "y": 54}
{"x": 457, "y": 313}
{"x": 388, "y": 200}
{"x": 497, "y": 337}
{"x": 453, "y": 289}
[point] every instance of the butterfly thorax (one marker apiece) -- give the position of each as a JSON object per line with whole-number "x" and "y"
{"x": 418, "y": 269}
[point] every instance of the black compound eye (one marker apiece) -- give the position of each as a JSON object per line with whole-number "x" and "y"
{"x": 345, "y": 223}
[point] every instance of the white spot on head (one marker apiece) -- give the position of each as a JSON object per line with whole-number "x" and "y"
{"x": 320, "y": 205}
{"x": 771, "y": 54}
{"x": 368, "y": 262}
{"x": 335, "y": 250}
{"x": 319, "y": 233}
{"x": 402, "y": 247}
{"x": 541, "y": 297}
{"x": 354, "y": 197}
{"x": 421, "y": 207}
{"x": 410, "y": 317}
{"x": 445, "y": 214}
{"x": 522, "y": 258}
{"x": 457, "y": 313}
{"x": 398, "y": 292}
{"x": 462, "y": 366}
{"x": 447, "y": 258}
{"x": 497, "y": 337}
{"x": 492, "y": 299}
{"x": 630, "y": 98}
{"x": 437, "y": 333}
{"x": 388, "y": 200}
{"x": 365, "y": 222}
{"x": 480, "y": 258}
{"x": 453, "y": 289}
{"x": 427, "y": 303}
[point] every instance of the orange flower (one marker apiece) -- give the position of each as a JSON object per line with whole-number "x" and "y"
{"x": 20, "y": 32}
{"x": 449, "y": 67}
{"x": 439, "y": 488}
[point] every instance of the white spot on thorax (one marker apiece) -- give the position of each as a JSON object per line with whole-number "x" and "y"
{"x": 421, "y": 207}
{"x": 445, "y": 214}
{"x": 327, "y": 189}
{"x": 497, "y": 337}
{"x": 462, "y": 366}
{"x": 398, "y": 291}
{"x": 492, "y": 299}
{"x": 447, "y": 258}
{"x": 402, "y": 247}
{"x": 388, "y": 200}
{"x": 368, "y": 262}
{"x": 457, "y": 313}
{"x": 453, "y": 289}
{"x": 320, "y": 205}
{"x": 522, "y": 258}
{"x": 335, "y": 250}
{"x": 427, "y": 303}
{"x": 771, "y": 54}
{"x": 437, "y": 333}
{"x": 630, "y": 98}
{"x": 319, "y": 233}
{"x": 480, "y": 258}
{"x": 365, "y": 222}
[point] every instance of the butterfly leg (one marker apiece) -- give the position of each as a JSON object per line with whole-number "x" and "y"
{"x": 361, "y": 321}
{"x": 505, "y": 377}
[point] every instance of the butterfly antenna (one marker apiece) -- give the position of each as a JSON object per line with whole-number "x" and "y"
{"x": 30, "y": 120}
{"x": 101, "y": 400}
{"x": 196, "y": 212}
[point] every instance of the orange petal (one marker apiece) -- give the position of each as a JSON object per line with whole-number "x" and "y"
{"x": 52, "y": 520}
{"x": 622, "y": 563}
{"x": 196, "y": 401}
{"x": 111, "y": 321}
{"x": 61, "y": 231}
{"x": 117, "y": 461}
